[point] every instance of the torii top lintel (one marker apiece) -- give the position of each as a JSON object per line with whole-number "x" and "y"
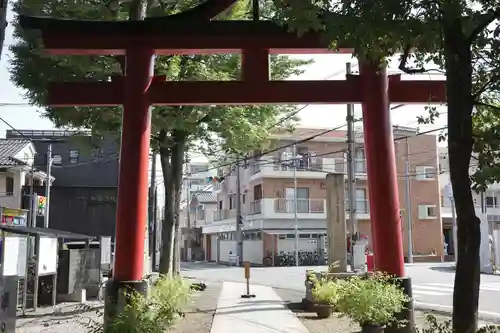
{"x": 189, "y": 32}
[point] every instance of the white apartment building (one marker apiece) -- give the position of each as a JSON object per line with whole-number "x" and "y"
{"x": 491, "y": 199}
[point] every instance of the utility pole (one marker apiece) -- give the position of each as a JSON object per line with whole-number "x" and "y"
{"x": 351, "y": 171}
{"x": 408, "y": 202}
{"x": 47, "y": 187}
{"x": 152, "y": 210}
{"x": 32, "y": 219}
{"x": 239, "y": 216}
{"x": 3, "y": 23}
{"x": 295, "y": 202}
{"x": 188, "y": 215}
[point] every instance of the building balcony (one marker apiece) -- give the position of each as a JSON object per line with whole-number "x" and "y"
{"x": 362, "y": 209}
{"x": 308, "y": 168}
{"x": 224, "y": 214}
{"x": 280, "y": 208}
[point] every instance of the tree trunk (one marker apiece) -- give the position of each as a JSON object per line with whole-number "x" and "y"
{"x": 171, "y": 161}
{"x": 177, "y": 162}
{"x": 168, "y": 221}
{"x": 458, "y": 64}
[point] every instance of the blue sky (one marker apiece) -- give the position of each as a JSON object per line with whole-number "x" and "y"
{"x": 15, "y": 109}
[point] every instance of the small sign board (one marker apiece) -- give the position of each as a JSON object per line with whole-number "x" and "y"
{"x": 47, "y": 258}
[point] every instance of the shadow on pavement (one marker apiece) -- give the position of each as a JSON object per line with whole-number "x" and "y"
{"x": 201, "y": 265}
{"x": 448, "y": 269}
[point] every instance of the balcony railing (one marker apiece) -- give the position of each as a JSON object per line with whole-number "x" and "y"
{"x": 313, "y": 164}
{"x": 303, "y": 206}
{"x": 302, "y": 164}
{"x": 224, "y": 214}
{"x": 362, "y": 206}
{"x": 255, "y": 167}
{"x": 255, "y": 207}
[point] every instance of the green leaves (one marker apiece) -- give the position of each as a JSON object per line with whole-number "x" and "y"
{"x": 238, "y": 128}
{"x": 372, "y": 300}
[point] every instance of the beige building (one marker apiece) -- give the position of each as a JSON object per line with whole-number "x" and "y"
{"x": 268, "y": 205}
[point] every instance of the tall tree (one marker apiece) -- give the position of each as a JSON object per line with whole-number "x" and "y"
{"x": 462, "y": 39}
{"x": 210, "y": 130}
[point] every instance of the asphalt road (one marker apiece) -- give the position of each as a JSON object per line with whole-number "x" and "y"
{"x": 432, "y": 283}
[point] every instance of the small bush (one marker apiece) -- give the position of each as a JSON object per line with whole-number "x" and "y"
{"x": 327, "y": 291}
{"x": 371, "y": 301}
{"x": 153, "y": 314}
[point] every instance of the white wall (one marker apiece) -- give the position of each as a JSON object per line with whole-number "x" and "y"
{"x": 14, "y": 200}
{"x": 252, "y": 251}
{"x": 213, "y": 249}
{"x": 288, "y": 245}
{"x": 225, "y": 247}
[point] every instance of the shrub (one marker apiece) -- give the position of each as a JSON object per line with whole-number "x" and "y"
{"x": 153, "y": 314}
{"x": 371, "y": 301}
{"x": 327, "y": 291}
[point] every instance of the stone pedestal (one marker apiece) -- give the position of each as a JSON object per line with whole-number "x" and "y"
{"x": 336, "y": 222}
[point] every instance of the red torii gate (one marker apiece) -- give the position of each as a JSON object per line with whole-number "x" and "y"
{"x": 192, "y": 32}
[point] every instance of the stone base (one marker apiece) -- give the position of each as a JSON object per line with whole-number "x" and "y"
{"x": 79, "y": 296}
{"x": 116, "y": 298}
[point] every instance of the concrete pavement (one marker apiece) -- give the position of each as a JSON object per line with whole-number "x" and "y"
{"x": 432, "y": 283}
{"x": 266, "y": 313}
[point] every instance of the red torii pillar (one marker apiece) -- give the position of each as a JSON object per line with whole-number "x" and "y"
{"x": 381, "y": 170}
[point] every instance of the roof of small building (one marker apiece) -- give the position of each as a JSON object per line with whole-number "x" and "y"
{"x": 9, "y": 148}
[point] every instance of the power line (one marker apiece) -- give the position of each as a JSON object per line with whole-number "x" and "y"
{"x": 294, "y": 113}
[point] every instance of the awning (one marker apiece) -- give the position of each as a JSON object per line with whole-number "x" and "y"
{"x": 292, "y": 231}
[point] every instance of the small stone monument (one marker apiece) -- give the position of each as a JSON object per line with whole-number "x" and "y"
{"x": 336, "y": 222}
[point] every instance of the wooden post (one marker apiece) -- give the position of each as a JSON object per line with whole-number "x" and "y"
{"x": 336, "y": 223}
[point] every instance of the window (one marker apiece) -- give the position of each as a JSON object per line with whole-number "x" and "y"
{"x": 425, "y": 173}
{"x": 361, "y": 201}
{"x": 9, "y": 186}
{"x": 427, "y": 212}
{"x": 360, "y": 161}
{"x": 220, "y": 205}
{"x": 491, "y": 200}
{"x": 56, "y": 159}
{"x": 257, "y": 192}
{"x": 74, "y": 155}
{"x": 339, "y": 165}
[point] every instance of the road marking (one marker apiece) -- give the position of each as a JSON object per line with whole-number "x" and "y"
{"x": 435, "y": 289}
{"x": 482, "y": 286}
{"x": 432, "y": 306}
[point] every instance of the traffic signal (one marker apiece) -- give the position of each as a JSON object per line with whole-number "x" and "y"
{"x": 215, "y": 179}
{"x": 240, "y": 220}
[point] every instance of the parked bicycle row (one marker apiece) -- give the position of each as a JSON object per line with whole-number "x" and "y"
{"x": 306, "y": 258}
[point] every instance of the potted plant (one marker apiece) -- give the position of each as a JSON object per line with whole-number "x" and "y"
{"x": 325, "y": 293}
{"x": 372, "y": 302}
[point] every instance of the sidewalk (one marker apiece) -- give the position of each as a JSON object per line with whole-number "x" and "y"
{"x": 266, "y": 313}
